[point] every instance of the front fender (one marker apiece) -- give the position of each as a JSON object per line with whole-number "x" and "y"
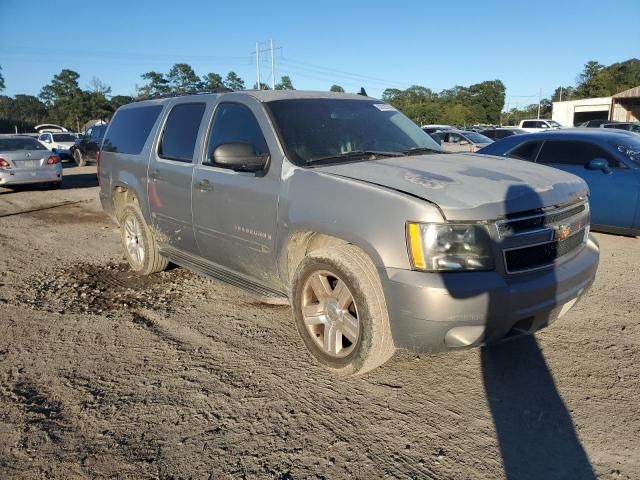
{"x": 369, "y": 216}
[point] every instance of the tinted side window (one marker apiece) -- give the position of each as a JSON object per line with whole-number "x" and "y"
{"x": 234, "y": 123}
{"x": 502, "y": 134}
{"x": 130, "y": 128}
{"x": 528, "y": 124}
{"x": 574, "y": 153}
{"x": 490, "y": 133}
{"x": 526, "y": 151}
{"x": 181, "y": 132}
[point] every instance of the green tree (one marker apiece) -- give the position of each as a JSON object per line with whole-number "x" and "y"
{"x": 336, "y": 88}
{"x": 157, "y": 85}
{"x": 182, "y": 79}
{"x": 2, "y": 86}
{"x": 263, "y": 86}
{"x": 119, "y": 100}
{"x": 211, "y": 81}
{"x": 66, "y": 101}
{"x": 233, "y": 81}
{"x": 21, "y": 113}
{"x": 563, "y": 94}
{"x": 488, "y": 98}
{"x": 285, "y": 83}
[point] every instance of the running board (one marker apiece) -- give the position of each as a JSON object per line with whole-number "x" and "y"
{"x": 217, "y": 272}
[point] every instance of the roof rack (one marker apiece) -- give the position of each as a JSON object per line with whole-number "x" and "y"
{"x": 187, "y": 94}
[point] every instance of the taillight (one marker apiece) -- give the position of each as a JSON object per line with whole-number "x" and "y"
{"x": 4, "y": 163}
{"x": 53, "y": 159}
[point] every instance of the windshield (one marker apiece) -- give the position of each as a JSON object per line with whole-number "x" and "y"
{"x": 63, "y": 137}
{"x": 630, "y": 148}
{"x": 322, "y": 128}
{"x": 477, "y": 138}
{"x": 14, "y": 144}
{"x": 553, "y": 123}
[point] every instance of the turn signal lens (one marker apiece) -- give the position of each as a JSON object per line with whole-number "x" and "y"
{"x": 4, "y": 163}
{"x": 415, "y": 246}
{"x": 53, "y": 159}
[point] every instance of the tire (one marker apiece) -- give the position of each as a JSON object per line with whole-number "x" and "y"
{"x": 350, "y": 354}
{"x": 79, "y": 158}
{"x": 140, "y": 246}
{"x": 54, "y": 185}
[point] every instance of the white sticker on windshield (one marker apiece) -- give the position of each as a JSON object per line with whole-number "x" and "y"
{"x": 384, "y": 107}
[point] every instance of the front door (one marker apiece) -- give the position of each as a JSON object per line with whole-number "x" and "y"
{"x": 614, "y": 195}
{"x": 170, "y": 173}
{"x": 235, "y": 213}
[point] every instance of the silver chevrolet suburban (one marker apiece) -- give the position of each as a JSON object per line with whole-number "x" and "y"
{"x": 343, "y": 207}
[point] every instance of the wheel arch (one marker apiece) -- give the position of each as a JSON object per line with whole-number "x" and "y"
{"x": 304, "y": 241}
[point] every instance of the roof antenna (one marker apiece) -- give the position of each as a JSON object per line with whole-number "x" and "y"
{"x": 363, "y": 92}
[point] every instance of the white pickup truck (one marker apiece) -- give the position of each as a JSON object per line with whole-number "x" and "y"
{"x": 539, "y": 125}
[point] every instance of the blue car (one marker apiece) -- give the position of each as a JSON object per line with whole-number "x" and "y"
{"x": 609, "y": 161}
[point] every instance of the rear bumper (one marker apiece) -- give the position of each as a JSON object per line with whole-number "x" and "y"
{"x": 23, "y": 177}
{"x": 434, "y": 312}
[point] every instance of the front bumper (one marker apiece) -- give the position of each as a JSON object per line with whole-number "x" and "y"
{"x": 22, "y": 177}
{"x": 431, "y": 312}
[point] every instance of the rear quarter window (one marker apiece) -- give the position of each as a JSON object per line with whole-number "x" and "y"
{"x": 524, "y": 151}
{"x": 130, "y": 128}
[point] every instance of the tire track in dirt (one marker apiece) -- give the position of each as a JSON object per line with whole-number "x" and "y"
{"x": 403, "y": 465}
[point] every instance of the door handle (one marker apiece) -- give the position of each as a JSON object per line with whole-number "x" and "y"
{"x": 205, "y": 186}
{"x": 155, "y": 175}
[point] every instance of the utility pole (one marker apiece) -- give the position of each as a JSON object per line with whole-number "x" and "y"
{"x": 273, "y": 68}
{"x": 539, "y": 102}
{"x": 560, "y": 93}
{"x": 258, "y": 64}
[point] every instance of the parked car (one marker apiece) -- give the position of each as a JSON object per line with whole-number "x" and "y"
{"x": 539, "y": 125}
{"x": 629, "y": 126}
{"x": 86, "y": 147}
{"x": 501, "y": 132}
{"x": 58, "y": 143}
{"x": 24, "y": 160}
{"x": 608, "y": 160}
{"x": 437, "y": 128}
{"x": 342, "y": 206}
{"x": 463, "y": 141}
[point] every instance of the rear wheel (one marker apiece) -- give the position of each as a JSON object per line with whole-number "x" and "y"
{"x": 140, "y": 246}
{"x": 79, "y": 158}
{"x": 340, "y": 310}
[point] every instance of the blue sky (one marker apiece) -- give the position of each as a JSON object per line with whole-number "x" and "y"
{"x": 375, "y": 44}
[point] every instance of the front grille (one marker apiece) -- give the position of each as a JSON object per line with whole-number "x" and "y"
{"x": 541, "y": 220}
{"x": 541, "y": 255}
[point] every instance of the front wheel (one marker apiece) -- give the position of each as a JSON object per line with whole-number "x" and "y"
{"x": 79, "y": 158}
{"x": 340, "y": 311}
{"x": 140, "y": 246}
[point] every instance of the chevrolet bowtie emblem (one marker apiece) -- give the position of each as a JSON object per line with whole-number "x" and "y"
{"x": 562, "y": 232}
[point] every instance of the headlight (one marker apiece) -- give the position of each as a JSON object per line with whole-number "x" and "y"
{"x": 449, "y": 247}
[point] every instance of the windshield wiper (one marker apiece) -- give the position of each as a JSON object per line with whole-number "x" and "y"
{"x": 356, "y": 154}
{"x": 418, "y": 150}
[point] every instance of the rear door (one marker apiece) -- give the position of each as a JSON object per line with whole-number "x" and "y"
{"x": 170, "y": 172}
{"x": 614, "y": 195}
{"x": 235, "y": 213}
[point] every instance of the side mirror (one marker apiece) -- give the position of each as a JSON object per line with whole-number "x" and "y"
{"x": 464, "y": 142}
{"x": 599, "y": 164}
{"x": 240, "y": 157}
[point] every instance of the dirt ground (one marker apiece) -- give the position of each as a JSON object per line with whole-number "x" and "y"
{"x": 103, "y": 374}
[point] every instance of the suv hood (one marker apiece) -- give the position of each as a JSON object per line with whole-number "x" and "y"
{"x": 469, "y": 186}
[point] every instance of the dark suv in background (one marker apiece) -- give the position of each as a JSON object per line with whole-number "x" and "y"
{"x": 87, "y": 146}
